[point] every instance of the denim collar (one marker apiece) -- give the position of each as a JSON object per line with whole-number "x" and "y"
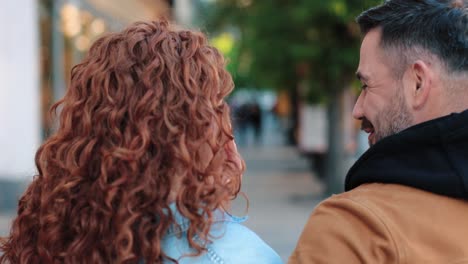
{"x": 182, "y": 224}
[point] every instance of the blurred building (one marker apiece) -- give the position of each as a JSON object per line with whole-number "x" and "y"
{"x": 40, "y": 41}
{"x": 19, "y": 88}
{"x": 67, "y": 29}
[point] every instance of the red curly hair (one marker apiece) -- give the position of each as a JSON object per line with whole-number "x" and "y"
{"x": 143, "y": 120}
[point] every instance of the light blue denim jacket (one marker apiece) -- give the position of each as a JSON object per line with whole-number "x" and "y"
{"x": 232, "y": 243}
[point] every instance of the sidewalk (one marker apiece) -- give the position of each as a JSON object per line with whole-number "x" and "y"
{"x": 5, "y": 222}
{"x": 282, "y": 193}
{"x": 10, "y": 191}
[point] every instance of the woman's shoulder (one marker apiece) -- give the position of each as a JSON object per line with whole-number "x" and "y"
{"x": 229, "y": 242}
{"x": 236, "y": 243}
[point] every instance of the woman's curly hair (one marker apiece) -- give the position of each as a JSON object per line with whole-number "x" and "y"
{"x": 143, "y": 117}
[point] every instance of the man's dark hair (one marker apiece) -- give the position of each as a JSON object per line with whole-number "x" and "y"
{"x": 437, "y": 26}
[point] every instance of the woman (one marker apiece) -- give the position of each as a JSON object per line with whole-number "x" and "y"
{"x": 143, "y": 164}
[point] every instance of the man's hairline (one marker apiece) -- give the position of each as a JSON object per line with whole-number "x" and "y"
{"x": 399, "y": 58}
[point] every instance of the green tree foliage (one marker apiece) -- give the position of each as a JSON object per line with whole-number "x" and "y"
{"x": 282, "y": 42}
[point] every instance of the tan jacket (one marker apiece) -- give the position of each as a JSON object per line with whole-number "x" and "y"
{"x": 385, "y": 223}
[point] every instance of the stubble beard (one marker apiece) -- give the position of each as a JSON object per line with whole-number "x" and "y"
{"x": 393, "y": 119}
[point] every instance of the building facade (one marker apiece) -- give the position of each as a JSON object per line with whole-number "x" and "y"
{"x": 40, "y": 42}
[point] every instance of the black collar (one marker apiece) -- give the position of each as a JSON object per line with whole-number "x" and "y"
{"x": 432, "y": 156}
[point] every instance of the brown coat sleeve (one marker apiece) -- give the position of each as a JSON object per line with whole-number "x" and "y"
{"x": 340, "y": 231}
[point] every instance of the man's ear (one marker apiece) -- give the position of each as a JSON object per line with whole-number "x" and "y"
{"x": 419, "y": 82}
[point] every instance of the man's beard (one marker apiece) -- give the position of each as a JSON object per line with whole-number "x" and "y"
{"x": 391, "y": 120}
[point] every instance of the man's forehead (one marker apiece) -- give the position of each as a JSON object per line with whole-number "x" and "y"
{"x": 368, "y": 63}
{"x": 370, "y": 46}
{"x": 372, "y": 58}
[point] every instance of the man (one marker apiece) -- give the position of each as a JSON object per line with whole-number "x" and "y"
{"x": 406, "y": 199}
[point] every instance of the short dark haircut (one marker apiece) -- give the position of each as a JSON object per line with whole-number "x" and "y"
{"x": 437, "y": 26}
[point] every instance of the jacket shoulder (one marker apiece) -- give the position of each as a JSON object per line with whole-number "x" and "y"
{"x": 428, "y": 227}
{"x": 236, "y": 243}
{"x": 344, "y": 229}
{"x": 230, "y": 243}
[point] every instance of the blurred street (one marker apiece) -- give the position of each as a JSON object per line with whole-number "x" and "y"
{"x": 282, "y": 194}
{"x": 5, "y": 220}
{"x": 280, "y": 185}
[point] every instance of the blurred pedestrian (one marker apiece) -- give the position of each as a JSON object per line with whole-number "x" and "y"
{"x": 143, "y": 166}
{"x": 282, "y": 110}
{"x": 255, "y": 120}
{"x": 241, "y": 124}
{"x": 406, "y": 199}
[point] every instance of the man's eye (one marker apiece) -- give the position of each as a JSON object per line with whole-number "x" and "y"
{"x": 364, "y": 86}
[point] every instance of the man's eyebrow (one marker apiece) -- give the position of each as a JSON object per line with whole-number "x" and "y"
{"x": 361, "y": 76}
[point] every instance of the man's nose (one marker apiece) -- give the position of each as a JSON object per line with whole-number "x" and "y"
{"x": 358, "y": 111}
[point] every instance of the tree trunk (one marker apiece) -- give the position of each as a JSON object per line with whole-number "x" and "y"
{"x": 335, "y": 164}
{"x": 292, "y": 130}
